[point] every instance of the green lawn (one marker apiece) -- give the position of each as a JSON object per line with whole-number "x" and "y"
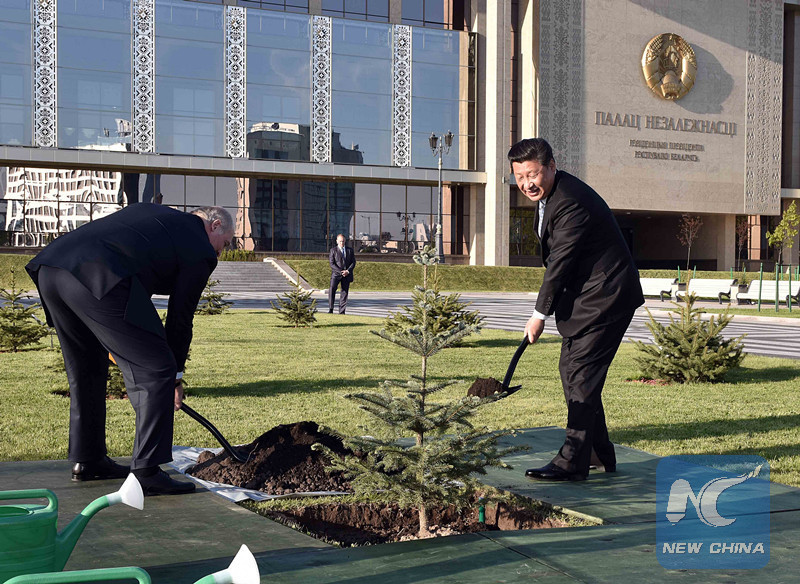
{"x": 248, "y": 373}
{"x": 766, "y": 310}
{"x": 16, "y": 262}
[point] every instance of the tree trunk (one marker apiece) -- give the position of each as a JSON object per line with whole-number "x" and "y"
{"x": 423, "y": 521}
{"x": 688, "y": 256}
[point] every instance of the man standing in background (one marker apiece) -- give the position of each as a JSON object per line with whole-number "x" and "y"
{"x": 342, "y": 260}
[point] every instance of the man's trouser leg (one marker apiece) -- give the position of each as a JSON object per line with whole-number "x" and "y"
{"x": 583, "y": 366}
{"x": 343, "y": 296}
{"x": 332, "y": 291}
{"x": 88, "y": 329}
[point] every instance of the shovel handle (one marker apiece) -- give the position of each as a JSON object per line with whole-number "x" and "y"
{"x": 514, "y": 360}
{"x": 213, "y": 429}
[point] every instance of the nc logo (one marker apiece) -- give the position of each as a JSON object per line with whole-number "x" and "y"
{"x": 705, "y": 502}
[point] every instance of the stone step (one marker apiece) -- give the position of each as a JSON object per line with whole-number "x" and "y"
{"x": 250, "y": 277}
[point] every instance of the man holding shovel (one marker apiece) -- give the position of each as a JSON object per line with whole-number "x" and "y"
{"x": 95, "y": 285}
{"x": 592, "y": 286}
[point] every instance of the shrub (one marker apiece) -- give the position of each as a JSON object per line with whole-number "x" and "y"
{"x": 19, "y": 326}
{"x": 689, "y": 349}
{"x": 238, "y": 255}
{"x": 211, "y": 301}
{"x": 294, "y": 307}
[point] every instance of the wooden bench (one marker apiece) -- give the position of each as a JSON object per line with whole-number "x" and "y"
{"x": 768, "y": 288}
{"x": 708, "y": 288}
{"x": 661, "y": 287}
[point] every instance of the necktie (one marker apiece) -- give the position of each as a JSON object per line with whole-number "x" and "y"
{"x": 541, "y": 217}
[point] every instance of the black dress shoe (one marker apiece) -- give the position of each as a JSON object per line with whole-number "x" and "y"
{"x": 551, "y": 472}
{"x": 105, "y": 468}
{"x": 162, "y": 484}
{"x": 330, "y": 312}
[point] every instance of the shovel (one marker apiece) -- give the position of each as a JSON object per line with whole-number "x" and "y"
{"x": 217, "y": 434}
{"x": 513, "y": 365}
{"x": 479, "y": 387}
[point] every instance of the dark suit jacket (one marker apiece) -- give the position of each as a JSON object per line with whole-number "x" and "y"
{"x": 590, "y": 277}
{"x": 339, "y": 263}
{"x": 162, "y": 250}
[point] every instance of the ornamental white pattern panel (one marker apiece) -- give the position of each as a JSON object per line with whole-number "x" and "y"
{"x": 144, "y": 76}
{"x": 401, "y": 96}
{"x": 561, "y": 87}
{"x": 44, "y": 46}
{"x": 235, "y": 81}
{"x": 321, "y": 90}
{"x": 764, "y": 110}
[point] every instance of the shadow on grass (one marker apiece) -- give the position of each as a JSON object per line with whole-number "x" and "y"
{"x": 722, "y": 427}
{"x": 510, "y": 343}
{"x": 761, "y": 376}
{"x": 319, "y": 325}
{"x": 283, "y": 386}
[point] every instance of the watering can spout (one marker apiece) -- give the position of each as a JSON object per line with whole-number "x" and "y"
{"x": 242, "y": 570}
{"x": 130, "y": 493}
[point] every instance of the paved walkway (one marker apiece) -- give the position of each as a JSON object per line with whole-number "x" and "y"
{"x": 766, "y": 335}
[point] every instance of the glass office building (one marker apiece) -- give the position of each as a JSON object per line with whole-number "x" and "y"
{"x": 199, "y": 82}
{"x": 309, "y": 118}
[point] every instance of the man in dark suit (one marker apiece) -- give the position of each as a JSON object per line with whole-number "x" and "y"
{"x": 592, "y": 286}
{"x": 342, "y": 260}
{"x": 95, "y": 285}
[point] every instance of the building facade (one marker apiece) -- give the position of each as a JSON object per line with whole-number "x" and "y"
{"x": 309, "y": 118}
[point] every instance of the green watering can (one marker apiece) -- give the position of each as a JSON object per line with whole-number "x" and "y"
{"x": 243, "y": 570}
{"x": 29, "y": 543}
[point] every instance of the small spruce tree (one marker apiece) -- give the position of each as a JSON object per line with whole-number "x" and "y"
{"x": 19, "y": 326}
{"x": 446, "y": 311}
{"x": 211, "y": 301}
{"x": 440, "y": 466}
{"x": 294, "y": 307}
{"x": 689, "y": 349}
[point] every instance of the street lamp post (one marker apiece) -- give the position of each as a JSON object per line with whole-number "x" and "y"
{"x": 440, "y": 145}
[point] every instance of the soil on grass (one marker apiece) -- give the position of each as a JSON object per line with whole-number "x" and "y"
{"x": 359, "y": 524}
{"x": 485, "y": 386}
{"x": 280, "y": 461}
{"x": 646, "y": 381}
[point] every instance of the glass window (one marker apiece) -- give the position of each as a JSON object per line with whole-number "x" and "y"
{"x": 367, "y": 228}
{"x": 226, "y": 191}
{"x": 368, "y": 197}
{"x": 278, "y": 86}
{"x": 286, "y": 223}
{"x": 341, "y": 196}
{"x": 199, "y": 191}
{"x": 16, "y": 83}
{"x": 315, "y": 216}
{"x": 393, "y": 198}
{"x": 428, "y": 13}
{"x": 419, "y": 199}
{"x": 173, "y": 189}
{"x": 333, "y": 8}
{"x": 189, "y": 78}
{"x": 361, "y": 100}
{"x": 441, "y": 97}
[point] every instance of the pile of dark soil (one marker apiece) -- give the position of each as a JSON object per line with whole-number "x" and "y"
{"x": 485, "y": 386}
{"x": 280, "y": 461}
{"x": 372, "y": 523}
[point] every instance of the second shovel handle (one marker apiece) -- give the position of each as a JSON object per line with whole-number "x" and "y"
{"x": 514, "y": 360}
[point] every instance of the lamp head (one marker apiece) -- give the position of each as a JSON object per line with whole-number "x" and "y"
{"x": 434, "y": 141}
{"x": 448, "y": 139}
